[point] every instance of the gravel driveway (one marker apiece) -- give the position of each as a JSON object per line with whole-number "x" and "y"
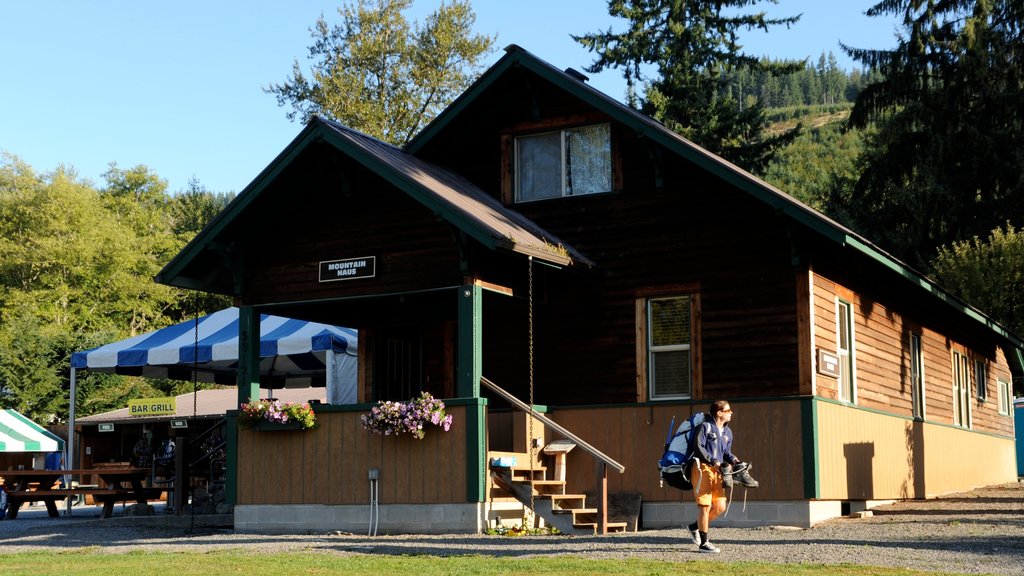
{"x": 981, "y": 531}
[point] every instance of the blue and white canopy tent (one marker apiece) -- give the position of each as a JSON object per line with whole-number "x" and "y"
{"x": 293, "y": 354}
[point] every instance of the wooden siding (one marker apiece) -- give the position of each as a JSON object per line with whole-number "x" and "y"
{"x": 738, "y": 265}
{"x": 767, "y": 434}
{"x": 865, "y": 455}
{"x": 347, "y": 213}
{"x": 330, "y": 464}
{"x": 882, "y": 358}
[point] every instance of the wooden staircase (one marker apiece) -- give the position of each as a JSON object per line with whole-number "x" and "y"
{"x": 566, "y": 512}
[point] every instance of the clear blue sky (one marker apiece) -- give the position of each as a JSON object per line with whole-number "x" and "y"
{"x": 177, "y": 86}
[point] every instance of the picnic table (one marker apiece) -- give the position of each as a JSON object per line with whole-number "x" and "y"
{"x": 119, "y": 485}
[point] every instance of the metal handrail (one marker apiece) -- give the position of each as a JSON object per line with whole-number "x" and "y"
{"x": 597, "y": 454}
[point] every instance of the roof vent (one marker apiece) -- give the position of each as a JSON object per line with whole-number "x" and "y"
{"x": 577, "y": 74}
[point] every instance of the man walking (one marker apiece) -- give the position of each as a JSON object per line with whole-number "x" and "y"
{"x": 713, "y": 471}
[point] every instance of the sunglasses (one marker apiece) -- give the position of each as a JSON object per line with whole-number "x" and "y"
{"x": 729, "y": 411}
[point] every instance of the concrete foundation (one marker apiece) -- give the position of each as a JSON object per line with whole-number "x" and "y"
{"x": 391, "y": 519}
{"x": 801, "y": 514}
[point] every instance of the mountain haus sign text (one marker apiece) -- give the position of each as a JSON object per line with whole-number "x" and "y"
{"x": 349, "y": 269}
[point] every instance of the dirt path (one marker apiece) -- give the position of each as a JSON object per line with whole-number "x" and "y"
{"x": 981, "y": 531}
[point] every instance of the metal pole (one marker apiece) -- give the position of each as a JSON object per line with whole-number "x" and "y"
{"x": 69, "y": 446}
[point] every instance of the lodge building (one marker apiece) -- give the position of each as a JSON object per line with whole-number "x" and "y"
{"x": 543, "y": 237}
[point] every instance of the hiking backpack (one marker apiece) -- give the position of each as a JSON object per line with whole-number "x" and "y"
{"x": 674, "y": 465}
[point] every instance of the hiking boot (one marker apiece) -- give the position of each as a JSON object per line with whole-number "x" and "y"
{"x": 726, "y": 475}
{"x": 708, "y": 548}
{"x": 741, "y": 475}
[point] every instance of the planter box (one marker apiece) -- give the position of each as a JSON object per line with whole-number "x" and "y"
{"x": 265, "y": 426}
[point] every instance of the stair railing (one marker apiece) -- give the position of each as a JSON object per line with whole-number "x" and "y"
{"x": 601, "y": 461}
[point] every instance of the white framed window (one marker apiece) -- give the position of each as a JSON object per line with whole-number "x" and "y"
{"x": 569, "y": 162}
{"x": 917, "y": 375}
{"x": 669, "y": 347}
{"x": 845, "y": 351}
{"x": 961, "y": 390}
{"x": 981, "y": 379}
{"x": 1003, "y": 389}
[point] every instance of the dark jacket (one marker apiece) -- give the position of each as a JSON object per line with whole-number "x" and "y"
{"x": 714, "y": 448}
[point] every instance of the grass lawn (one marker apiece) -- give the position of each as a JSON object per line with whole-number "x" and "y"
{"x": 93, "y": 561}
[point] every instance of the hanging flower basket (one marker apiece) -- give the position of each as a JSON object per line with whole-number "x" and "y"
{"x": 276, "y": 415}
{"x": 412, "y": 417}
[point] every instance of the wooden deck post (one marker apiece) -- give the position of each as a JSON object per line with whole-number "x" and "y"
{"x": 602, "y": 497}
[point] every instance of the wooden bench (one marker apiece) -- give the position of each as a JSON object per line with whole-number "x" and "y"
{"x": 104, "y": 496}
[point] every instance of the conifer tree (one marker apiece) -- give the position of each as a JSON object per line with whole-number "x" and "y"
{"x": 682, "y": 55}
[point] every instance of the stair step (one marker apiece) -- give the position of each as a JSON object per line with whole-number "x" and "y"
{"x": 575, "y": 511}
{"x": 566, "y": 501}
{"x": 611, "y": 526}
{"x": 543, "y": 487}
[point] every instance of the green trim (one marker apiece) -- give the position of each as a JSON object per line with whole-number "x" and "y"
{"x": 702, "y": 403}
{"x": 231, "y": 476}
{"x": 938, "y": 292}
{"x": 248, "y": 378}
{"x": 470, "y": 341}
{"x": 171, "y": 273}
{"x": 911, "y": 418}
{"x": 476, "y": 450}
{"x": 809, "y": 425}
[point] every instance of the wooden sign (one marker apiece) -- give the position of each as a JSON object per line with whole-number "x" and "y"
{"x": 348, "y": 269}
{"x": 152, "y": 406}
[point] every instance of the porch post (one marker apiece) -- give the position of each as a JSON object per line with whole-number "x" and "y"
{"x": 248, "y": 381}
{"x": 470, "y": 345}
{"x": 470, "y": 341}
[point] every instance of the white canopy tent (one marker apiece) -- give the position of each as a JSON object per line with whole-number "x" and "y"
{"x": 19, "y": 434}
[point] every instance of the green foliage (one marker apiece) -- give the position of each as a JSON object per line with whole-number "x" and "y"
{"x": 988, "y": 274}
{"x": 823, "y": 85}
{"x": 822, "y": 159}
{"x": 76, "y": 271}
{"x": 692, "y": 46}
{"x": 945, "y": 161}
{"x": 377, "y": 73}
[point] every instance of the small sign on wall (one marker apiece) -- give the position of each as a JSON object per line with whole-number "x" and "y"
{"x": 348, "y": 269}
{"x": 152, "y": 406}
{"x": 828, "y": 363}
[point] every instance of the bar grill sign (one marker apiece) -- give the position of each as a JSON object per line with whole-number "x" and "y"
{"x": 348, "y": 269}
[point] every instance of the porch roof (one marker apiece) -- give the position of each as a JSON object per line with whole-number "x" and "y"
{"x": 448, "y": 195}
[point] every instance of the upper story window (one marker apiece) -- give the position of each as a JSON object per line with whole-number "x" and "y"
{"x": 568, "y": 162}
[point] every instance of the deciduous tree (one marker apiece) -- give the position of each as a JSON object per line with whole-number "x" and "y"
{"x": 380, "y": 74}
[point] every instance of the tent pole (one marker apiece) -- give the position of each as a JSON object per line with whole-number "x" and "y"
{"x": 69, "y": 446}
